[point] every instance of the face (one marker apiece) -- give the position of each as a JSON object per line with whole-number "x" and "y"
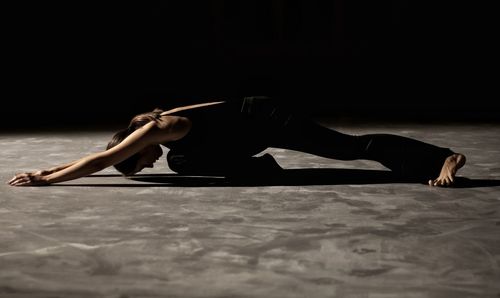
{"x": 147, "y": 157}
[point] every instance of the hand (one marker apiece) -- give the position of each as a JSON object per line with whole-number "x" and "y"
{"x": 30, "y": 179}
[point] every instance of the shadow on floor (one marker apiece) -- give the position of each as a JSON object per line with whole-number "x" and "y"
{"x": 287, "y": 177}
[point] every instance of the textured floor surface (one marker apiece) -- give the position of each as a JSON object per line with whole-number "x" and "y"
{"x": 328, "y": 229}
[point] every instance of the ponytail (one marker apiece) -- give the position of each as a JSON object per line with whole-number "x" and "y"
{"x": 142, "y": 119}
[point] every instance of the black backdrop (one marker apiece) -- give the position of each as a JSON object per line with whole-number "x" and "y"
{"x": 77, "y": 63}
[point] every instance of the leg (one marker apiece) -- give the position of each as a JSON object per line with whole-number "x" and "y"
{"x": 405, "y": 156}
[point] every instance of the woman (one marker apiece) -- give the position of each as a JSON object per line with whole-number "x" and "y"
{"x": 222, "y": 137}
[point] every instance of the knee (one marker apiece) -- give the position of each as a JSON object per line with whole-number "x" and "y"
{"x": 177, "y": 163}
{"x": 188, "y": 164}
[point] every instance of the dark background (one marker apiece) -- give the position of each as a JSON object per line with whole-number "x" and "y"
{"x": 87, "y": 64}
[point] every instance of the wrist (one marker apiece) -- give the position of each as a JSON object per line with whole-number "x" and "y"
{"x": 45, "y": 179}
{"x": 50, "y": 171}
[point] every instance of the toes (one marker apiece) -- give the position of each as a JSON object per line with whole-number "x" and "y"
{"x": 434, "y": 182}
{"x": 438, "y": 182}
{"x": 445, "y": 182}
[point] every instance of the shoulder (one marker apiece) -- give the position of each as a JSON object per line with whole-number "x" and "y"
{"x": 168, "y": 128}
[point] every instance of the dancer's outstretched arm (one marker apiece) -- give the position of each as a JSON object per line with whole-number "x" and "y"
{"x": 149, "y": 134}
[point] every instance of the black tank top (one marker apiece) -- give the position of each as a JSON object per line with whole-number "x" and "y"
{"x": 235, "y": 127}
{"x": 209, "y": 124}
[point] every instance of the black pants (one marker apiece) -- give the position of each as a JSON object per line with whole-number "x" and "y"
{"x": 260, "y": 123}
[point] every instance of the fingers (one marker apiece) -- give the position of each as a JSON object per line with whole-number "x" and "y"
{"x": 20, "y": 179}
{"x": 17, "y": 177}
{"x": 30, "y": 174}
{"x": 16, "y": 181}
{"x": 20, "y": 182}
{"x": 23, "y": 179}
{"x": 11, "y": 180}
{"x": 442, "y": 181}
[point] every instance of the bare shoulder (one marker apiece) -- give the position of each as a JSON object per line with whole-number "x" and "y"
{"x": 169, "y": 128}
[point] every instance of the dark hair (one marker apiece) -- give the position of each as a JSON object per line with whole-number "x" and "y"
{"x": 127, "y": 166}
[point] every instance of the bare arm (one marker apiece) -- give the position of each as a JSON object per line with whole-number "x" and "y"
{"x": 54, "y": 169}
{"x": 175, "y": 110}
{"x": 147, "y": 135}
{"x": 61, "y": 167}
{"x": 88, "y": 164}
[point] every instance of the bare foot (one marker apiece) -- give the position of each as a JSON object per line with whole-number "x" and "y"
{"x": 450, "y": 167}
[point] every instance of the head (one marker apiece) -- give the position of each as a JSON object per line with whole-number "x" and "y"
{"x": 147, "y": 156}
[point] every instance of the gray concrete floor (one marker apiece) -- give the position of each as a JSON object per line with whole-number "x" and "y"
{"x": 322, "y": 233}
